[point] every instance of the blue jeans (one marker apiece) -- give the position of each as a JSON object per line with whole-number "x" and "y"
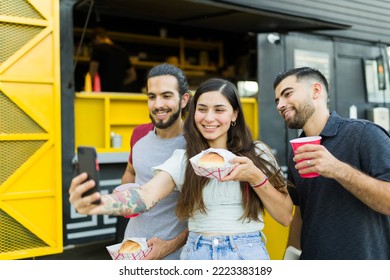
{"x": 246, "y": 246}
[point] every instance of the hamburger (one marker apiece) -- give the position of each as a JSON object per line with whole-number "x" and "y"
{"x": 129, "y": 246}
{"x": 211, "y": 160}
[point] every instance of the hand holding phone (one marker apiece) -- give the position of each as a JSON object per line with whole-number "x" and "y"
{"x": 87, "y": 162}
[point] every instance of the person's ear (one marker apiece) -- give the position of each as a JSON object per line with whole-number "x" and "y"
{"x": 185, "y": 99}
{"x": 235, "y": 116}
{"x": 317, "y": 90}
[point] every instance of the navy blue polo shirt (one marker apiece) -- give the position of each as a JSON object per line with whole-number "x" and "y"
{"x": 337, "y": 225}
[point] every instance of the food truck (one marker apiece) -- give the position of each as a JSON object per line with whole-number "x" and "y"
{"x": 46, "y": 113}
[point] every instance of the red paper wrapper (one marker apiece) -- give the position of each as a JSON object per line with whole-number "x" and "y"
{"x": 139, "y": 255}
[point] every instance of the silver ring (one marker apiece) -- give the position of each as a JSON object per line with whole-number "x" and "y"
{"x": 308, "y": 163}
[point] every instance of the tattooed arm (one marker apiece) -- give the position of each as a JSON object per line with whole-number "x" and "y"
{"x": 135, "y": 200}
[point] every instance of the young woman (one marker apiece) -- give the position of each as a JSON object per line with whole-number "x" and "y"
{"x": 224, "y": 217}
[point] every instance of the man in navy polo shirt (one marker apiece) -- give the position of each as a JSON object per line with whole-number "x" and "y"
{"x": 345, "y": 212}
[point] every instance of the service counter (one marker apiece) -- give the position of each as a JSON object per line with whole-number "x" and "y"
{"x": 99, "y": 116}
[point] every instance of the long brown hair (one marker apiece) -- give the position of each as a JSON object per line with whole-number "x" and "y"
{"x": 240, "y": 142}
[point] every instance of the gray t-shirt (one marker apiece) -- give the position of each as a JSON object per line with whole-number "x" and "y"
{"x": 161, "y": 221}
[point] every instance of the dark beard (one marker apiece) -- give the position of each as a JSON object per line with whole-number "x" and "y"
{"x": 300, "y": 118}
{"x": 170, "y": 121}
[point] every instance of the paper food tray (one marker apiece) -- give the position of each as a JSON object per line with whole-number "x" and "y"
{"x": 139, "y": 255}
{"x": 213, "y": 173}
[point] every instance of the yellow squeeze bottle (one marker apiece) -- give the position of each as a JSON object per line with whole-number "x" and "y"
{"x": 88, "y": 82}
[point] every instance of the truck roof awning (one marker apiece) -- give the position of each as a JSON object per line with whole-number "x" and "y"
{"x": 233, "y": 16}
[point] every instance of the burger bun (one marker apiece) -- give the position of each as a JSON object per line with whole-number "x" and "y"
{"x": 211, "y": 160}
{"x": 129, "y": 246}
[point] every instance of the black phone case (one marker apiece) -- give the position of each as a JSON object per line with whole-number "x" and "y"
{"x": 87, "y": 162}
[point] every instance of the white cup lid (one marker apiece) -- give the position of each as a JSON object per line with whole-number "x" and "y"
{"x": 305, "y": 139}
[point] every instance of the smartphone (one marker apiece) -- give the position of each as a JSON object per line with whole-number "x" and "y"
{"x": 88, "y": 162}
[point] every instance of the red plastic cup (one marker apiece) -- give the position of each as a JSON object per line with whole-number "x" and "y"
{"x": 295, "y": 143}
{"x": 124, "y": 187}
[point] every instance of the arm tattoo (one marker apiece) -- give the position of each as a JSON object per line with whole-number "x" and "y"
{"x": 126, "y": 203}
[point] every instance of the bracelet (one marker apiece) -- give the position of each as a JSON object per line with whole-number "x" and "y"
{"x": 260, "y": 184}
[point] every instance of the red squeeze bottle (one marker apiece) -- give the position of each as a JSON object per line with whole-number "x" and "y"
{"x": 96, "y": 83}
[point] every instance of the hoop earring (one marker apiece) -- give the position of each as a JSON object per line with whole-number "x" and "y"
{"x": 233, "y": 123}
